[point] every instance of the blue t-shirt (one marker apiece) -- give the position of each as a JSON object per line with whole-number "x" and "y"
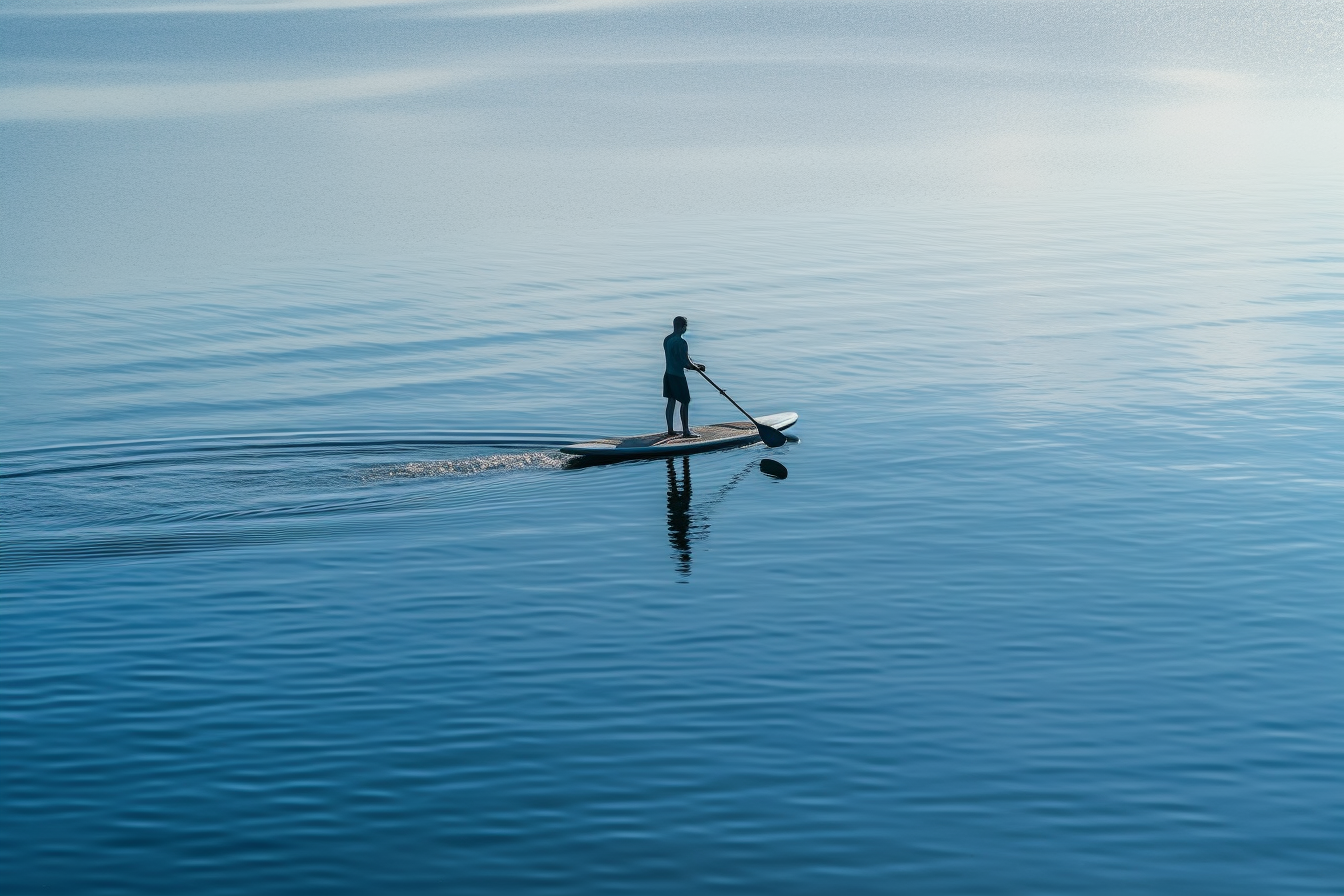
{"x": 678, "y": 355}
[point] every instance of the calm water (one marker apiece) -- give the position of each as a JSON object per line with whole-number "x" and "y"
{"x": 300, "y": 597}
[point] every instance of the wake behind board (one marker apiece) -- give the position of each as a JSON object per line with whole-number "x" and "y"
{"x": 660, "y": 444}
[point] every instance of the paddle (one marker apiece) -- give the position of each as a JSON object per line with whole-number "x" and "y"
{"x": 769, "y": 435}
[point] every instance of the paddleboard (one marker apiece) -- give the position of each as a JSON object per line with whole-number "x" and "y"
{"x": 660, "y": 444}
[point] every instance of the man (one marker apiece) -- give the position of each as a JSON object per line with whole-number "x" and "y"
{"x": 675, "y": 389}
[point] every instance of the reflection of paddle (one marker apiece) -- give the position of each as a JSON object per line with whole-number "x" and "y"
{"x": 769, "y": 435}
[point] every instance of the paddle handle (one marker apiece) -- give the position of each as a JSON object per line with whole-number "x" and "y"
{"x": 725, "y": 395}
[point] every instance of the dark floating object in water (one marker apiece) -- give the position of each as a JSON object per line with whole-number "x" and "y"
{"x": 774, "y": 468}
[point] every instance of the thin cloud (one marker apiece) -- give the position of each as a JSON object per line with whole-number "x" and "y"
{"x": 463, "y": 8}
{"x": 168, "y": 7}
{"x": 56, "y": 102}
{"x": 542, "y": 7}
{"x": 1206, "y": 79}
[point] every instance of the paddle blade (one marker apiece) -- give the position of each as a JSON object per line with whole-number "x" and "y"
{"x": 771, "y": 436}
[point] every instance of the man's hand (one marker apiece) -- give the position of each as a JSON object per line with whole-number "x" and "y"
{"x": 699, "y": 367}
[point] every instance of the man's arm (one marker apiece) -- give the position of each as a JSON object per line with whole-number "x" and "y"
{"x": 686, "y": 361}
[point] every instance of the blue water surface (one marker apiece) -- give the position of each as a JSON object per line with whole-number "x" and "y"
{"x": 300, "y": 597}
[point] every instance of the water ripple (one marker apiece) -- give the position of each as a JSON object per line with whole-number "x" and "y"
{"x": 162, "y": 496}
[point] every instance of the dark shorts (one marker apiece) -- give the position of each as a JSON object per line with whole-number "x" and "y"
{"x": 675, "y": 387}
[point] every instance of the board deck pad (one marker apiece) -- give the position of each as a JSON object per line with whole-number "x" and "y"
{"x": 659, "y": 444}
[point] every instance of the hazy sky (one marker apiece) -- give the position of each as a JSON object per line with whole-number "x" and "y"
{"x": 155, "y": 140}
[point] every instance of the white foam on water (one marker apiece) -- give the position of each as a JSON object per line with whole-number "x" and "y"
{"x": 468, "y": 466}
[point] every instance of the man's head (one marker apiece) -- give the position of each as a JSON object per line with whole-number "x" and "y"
{"x": 679, "y": 324}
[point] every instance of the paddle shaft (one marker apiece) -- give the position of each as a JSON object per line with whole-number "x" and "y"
{"x": 725, "y": 394}
{"x": 772, "y": 437}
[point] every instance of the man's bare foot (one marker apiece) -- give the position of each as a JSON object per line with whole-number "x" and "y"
{"x": 688, "y": 434}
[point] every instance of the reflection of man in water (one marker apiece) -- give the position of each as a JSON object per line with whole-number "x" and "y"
{"x": 679, "y": 513}
{"x": 675, "y": 389}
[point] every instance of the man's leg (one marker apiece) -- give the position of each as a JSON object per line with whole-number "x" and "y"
{"x": 670, "y": 403}
{"x": 686, "y": 420}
